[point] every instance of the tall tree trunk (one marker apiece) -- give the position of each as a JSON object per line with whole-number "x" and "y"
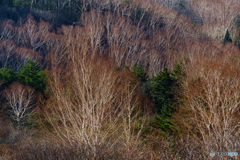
{"x": 18, "y": 123}
{"x": 42, "y": 4}
{"x": 31, "y": 5}
{"x": 58, "y": 12}
{"x": 69, "y": 8}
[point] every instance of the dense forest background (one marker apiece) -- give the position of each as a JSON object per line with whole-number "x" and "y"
{"x": 119, "y": 79}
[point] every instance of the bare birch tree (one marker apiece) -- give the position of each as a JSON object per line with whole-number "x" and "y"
{"x": 213, "y": 91}
{"x": 21, "y": 100}
{"x": 90, "y": 107}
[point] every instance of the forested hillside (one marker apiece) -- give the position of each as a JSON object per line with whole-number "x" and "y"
{"x": 119, "y": 79}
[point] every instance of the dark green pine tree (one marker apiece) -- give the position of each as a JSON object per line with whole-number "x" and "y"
{"x": 33, "y": 75}
{"x": 7, "y": 75}
{"x": 164, "y": 87}
{"x": 237, "y": 39}
{"x": 139, "y": 71}
{"x": 227, "y": 37}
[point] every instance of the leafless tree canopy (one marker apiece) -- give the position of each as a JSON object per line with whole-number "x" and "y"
{"x": 21, "y": 100}
{"x": 100, "y": 59}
